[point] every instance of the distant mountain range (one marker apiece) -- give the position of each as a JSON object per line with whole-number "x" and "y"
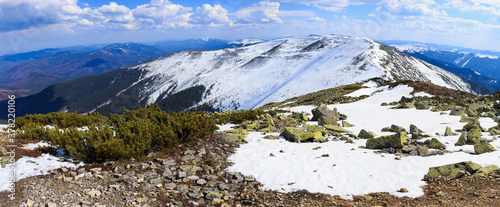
{"x": 241, "y": 77}
{"x": 480, "y": 66}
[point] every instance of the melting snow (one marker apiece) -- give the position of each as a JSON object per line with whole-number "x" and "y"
{"x": 350, "y": 170}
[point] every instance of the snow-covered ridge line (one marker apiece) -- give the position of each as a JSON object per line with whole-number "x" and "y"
{"x": 272, "y": 71}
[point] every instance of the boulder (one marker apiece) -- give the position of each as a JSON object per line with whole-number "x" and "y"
{"x": 323, "y": 111}
{"x": 397, "y": 140}
{"x": 471, "y": 125}
{"x": 435, "y": 144}
{"x": 421, "y": 105}
{"x": 483, "y": 147}
{"x": 462, "y": 140}
{"x": 393, "y": 128}
{"x": 235, "y": 137}
{"x": 336, "y": 128}
{"x": 295, "y": 134}
{"x": 250, "y": 125}
{"x": 474, "y": 136}
{"x": 422, "y": 151}
{"x": 494, "y": 131}
{"x": 238, "y": 131}
{"x": 315, "y": 128}
{"x": 363, "y": 134}
{"x": 448, "y": 132}
{"x": 486, "y": 170}
{"x": 457, "y": 111}
{"x": 346, "y": 124}
{"x": 415, "y": 130}
{"x": 300, "y": 116}
{"x": 452, "y": 171}
{"x": 327, "y": 121}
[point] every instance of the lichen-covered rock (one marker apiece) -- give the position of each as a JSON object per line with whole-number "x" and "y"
{"x": 448, "y": 132}
{"x": 295, "y": 134}
{"x": 452, "y": 171}
{"x": 462, "y": 140}
{"x": 474, "y": 136}
{"x": 415, "y": 130}
{"x": 315, "y": 128}
{"x": 421, "y": 105}
{"x": 397, "y": 140}
{"x": 271, "y": 137}
{"x": 335, "y": 128}
{"x": 323, "y": 111}
{"x": 483, "y": 147}
{"x": 486, "y": 170}
{"x": 494, "y": 131}
{"x": 250, "y": 125}
{"x": 327, "y": 121}
{"x": 300, "y": 116}
{"x": 457, "y": 111}
{"x": 471, "y": 125}
{"x": 435, "y": 144}
{"x": 422, "y": 151}
{"x": 235, "y": 137}
{"x": 347, "y": 124}
{"x": 393, "y": 128}
{"x": 238, "y": 131}
{"x": 465, "y": 119}
{"x": 363, "y": 134}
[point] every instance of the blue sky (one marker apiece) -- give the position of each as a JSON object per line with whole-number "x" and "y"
{"x": 27, "y": 25}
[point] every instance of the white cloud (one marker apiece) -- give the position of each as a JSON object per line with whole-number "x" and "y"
{"x": 410, "y": 8}
{"x": 262, "y": 12}
{"x": 85, "y": 22}
{"x": 23, "y": 14}
{"x": 476, "y": 6}
{"x": 159, "y": 11}
{"x": 332, "y": 5}
{"x": 115, "y": 13}
{"x": 315, "y": 19}
{"x": 210, "y": 15}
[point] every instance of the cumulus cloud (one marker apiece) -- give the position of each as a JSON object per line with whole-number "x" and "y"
{"x": 332, "y": 5}
{"x": 208, "y": 14}
{"x": 24, "y": 14}
{"x": 410, "y": 8}
{"x": 476, "y": 6}
{"x": 262, "y": 12}
{"x": 115, "y": 13}
{"x": 159, "y": 11}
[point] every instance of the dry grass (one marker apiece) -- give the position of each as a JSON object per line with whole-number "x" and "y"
{"x": 420, "y": 86}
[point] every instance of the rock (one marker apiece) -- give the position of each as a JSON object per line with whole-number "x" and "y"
{"x": 448, "y": 132}
{"x": 396, "y": 141}
{"x": 295, "y": 134}
{"x": 235, "y": 138}
{"x": 181, "y": 175}
{"x": 421, "y": 105}
{"x": 201, "y": 182}
{"x": 336, "y": 128}
{"x": 223, "y": 187}
{"x": 326, "y": 121}
{"x": 435, "y": 144}
{"x": 3, "y": 151}
{"x": 95, "y": 170}
{"x": 457, "y": 111}
{"x": 474, "y": 136}
{"x": 170, "y": 186}
{"x": 145, "y": 187}
{"x": 440, "y": 193}
{"x": 494, "y": 131}
{"x": 323, "y": 111}
{"x": 271, "y": 137}
{"x": 94, "y": 193}
{"x": 212, "y": 195}
{"x": 51, "y": 205}
{"x": 422, "y": 151}
{"x": 217, "y": 201}
{"x": 315, "y": 128}
{"x": 155, "y": 181}
{"x": 300, "y": 116}
{"x": 29, "y": 203}
{"x": 182, "y": 188}
{"x": 346, "y": 124}
{"x": 452, "y": 171}
{"x": 403, "y": 190}
{"x": 483, "y": 147}
{"x": 415, "y": 130}
{"x": 461, "y": 140}
{"x": 396, "y": 128}
{"x": 363, "y": 134}
{"x": 486, "y": 170}
{"x": 472, "y": 125}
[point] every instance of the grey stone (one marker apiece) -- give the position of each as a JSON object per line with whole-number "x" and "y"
{"x": 182, "y": 188}
{"x": 170, "y": 186}
{"x": 201, "y": 182}
{"x": 155, "y": 180}
{"x": 146, "y": 187}
{"x": 181, "y": 175}
{"x": 223, "y": 187}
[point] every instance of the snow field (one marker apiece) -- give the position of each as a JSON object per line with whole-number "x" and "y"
{"x": 349, "y": 170}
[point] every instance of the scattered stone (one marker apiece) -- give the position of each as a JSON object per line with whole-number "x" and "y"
{"x": 347, "y": 124}
{"x": 435, "y": 144}
{"x": 363, "y": 134}
{"x": 448, "y": 132}
{"x": 396, "y": 141}
{"x": 452, "y": 171}
{"x": 403, "y": 190}
{"x": 201, "y": 182}
{"x": 483, "y": 147}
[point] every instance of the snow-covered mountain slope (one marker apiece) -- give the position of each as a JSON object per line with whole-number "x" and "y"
{"x": 243, "y": 77}
{"x": 247, "y": 77}
{"x": 483, "y": 61}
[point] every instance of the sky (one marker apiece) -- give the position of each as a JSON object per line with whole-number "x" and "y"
{"x": 27, "y": 25}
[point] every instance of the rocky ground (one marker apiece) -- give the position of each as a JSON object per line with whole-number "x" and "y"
{"x": 195, "y": 176}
